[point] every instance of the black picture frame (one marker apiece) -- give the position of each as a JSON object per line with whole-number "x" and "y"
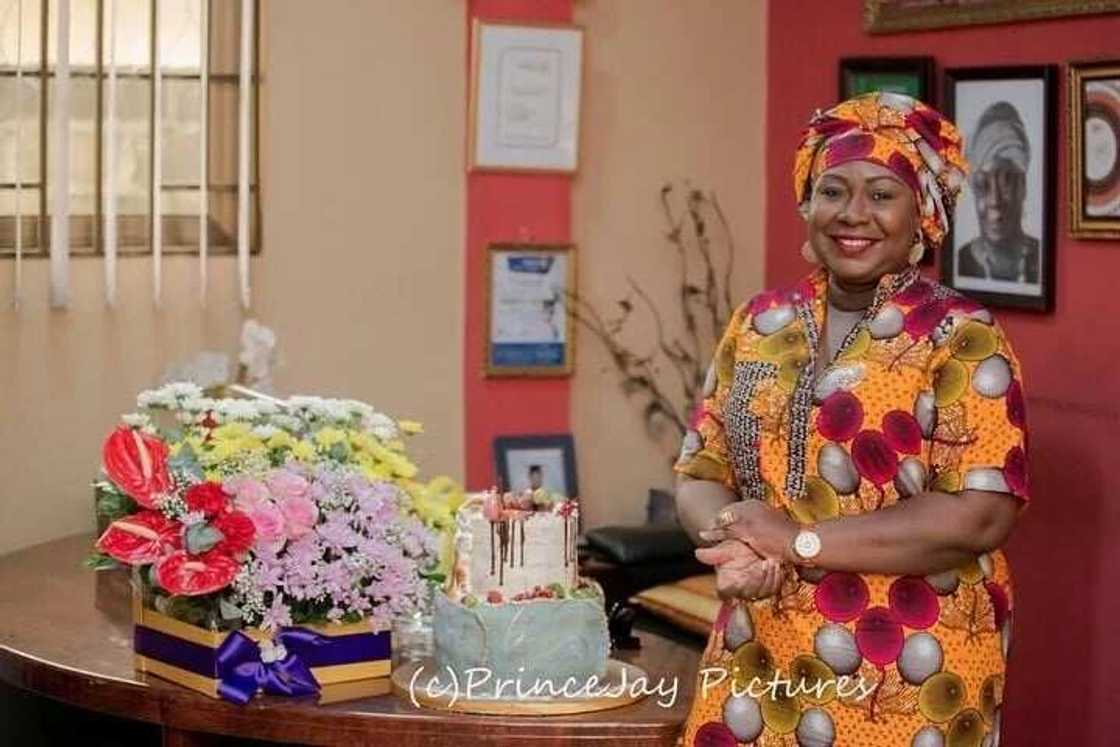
{"x": 507, "y": 460}
{"x": 920, "y": 70}
{"x": 1031, "y": 111}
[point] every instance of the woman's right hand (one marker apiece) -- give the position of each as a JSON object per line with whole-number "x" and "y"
{"x": 740, "y": 571}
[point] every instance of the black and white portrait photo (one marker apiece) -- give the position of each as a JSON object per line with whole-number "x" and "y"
{"x": 1002, "y": 240}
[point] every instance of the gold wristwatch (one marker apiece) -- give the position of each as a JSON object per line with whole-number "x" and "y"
{"x": 806, "y": 546}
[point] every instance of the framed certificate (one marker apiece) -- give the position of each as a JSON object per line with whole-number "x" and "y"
{"x": 528, "y": 329}
{"x": 525, "y": 97}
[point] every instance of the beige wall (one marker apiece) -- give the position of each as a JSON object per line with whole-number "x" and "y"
{"x": 672, "y": 90}
{"x": 361, "y": 276}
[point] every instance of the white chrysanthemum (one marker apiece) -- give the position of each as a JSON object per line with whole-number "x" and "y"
{"x": 381, "y": 425}
{"x": 265, "y": 407}
{"x": 183, "y": 389}
{"x": 155, "y": 398}
{"x": 358, "y": 408}
{"x": 290, "y": 423}
{"x": 265, "y": 432}
{"x": 136, "y": 420}
{"x": 237, "y": 409}
{"x": 198, "y": 404}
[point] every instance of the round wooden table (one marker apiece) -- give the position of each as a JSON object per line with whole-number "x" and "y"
{"x": 65, "y": 633}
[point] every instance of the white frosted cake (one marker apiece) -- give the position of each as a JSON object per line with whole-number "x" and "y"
{"x": 515, "y": 606}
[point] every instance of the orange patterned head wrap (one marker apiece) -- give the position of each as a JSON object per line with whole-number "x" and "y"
{"x": 918, "y": 144}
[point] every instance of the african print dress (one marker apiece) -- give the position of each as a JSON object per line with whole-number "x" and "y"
{"x": 925, "y": 393}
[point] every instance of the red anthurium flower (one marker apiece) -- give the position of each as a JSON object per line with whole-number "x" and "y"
{"x": 238, "y": 532}
{"x": 141, "y": 538}
{"x": 195, "y": 575}
{"x": 207, "y": 497}
{"x": 136, "y": 462}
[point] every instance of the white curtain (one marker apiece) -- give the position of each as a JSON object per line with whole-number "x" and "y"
{"x": 60, "y": 173}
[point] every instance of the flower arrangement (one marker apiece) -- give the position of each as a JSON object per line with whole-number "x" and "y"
{"x": 270, "y": 513}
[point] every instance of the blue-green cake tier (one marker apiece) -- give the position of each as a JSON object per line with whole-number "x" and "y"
{"x": 542, "y": 640}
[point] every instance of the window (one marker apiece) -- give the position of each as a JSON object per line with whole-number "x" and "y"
{"x": 182, "y": 29}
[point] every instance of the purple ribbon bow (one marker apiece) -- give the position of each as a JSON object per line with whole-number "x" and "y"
{"x": 244, "y": 667}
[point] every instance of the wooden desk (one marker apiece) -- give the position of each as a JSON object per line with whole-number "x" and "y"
{"x": 65, "y": 632}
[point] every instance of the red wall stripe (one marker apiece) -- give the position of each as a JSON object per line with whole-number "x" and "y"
{"x": 1062, "y": 687}
{"x": 501, "y": 208}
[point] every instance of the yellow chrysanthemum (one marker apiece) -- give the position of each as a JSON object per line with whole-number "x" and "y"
{"x": 410, "y": 426}
{"x": 328, "y": 437}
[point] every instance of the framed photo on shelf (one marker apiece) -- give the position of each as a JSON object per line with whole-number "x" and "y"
{"x": 533, "y": 462}
{"x": 1001, "y": 248}
{"x": 1094, "y": 150}
{"x": 528, "y": 330}
{"x": 890, "y": 16}
{"x": 525, "y": 97}
{"x": 912, "y": 76}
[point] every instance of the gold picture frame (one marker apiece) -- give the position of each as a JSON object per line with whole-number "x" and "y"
{"x": 546, "y": 47}
{"x": 528, "y": 330}
{"x": 1104, "y": 104}
{"x": 892, "y": 16}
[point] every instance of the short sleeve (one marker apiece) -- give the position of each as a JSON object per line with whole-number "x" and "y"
{"x": 974, "y": 413}
{"x": 704, "y": 453}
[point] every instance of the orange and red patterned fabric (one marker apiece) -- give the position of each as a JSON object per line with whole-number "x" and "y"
{"x": 925, "y": 394}
{"x": 917, "y": 143}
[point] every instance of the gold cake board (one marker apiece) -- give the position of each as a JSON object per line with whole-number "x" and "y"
{"x": 620, "y": 677}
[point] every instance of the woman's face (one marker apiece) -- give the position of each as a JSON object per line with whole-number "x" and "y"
{"x": 862, "y": 222}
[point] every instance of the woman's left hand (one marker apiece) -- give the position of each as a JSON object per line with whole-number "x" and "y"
{"x": 769, "y": 531}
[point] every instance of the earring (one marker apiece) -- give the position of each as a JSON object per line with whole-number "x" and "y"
{"x": 917, "y": 251}
{"x": 808, "y": 254}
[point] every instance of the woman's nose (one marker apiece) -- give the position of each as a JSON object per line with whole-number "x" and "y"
{"x": 856, "y": 210}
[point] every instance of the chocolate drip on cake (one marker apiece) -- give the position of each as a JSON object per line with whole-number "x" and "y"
{"x": 567, "y": 560}
{"x": 522, "y": 522}
{"x": 492, "y": 568}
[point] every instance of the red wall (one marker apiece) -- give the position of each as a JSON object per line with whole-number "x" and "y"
{"x": 503, "y": 208}
{"x": 1061, "y": 687}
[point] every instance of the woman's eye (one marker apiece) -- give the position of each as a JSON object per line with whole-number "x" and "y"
{"x": 881, "y": 196}
{"x": 830, "y": 192}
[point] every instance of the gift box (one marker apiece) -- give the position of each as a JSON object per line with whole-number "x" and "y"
{"x": 235, "y": 665}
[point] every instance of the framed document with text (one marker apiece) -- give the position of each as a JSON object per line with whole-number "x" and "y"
{"x": 525, "y": 97}
{"x": 528, "y": 331}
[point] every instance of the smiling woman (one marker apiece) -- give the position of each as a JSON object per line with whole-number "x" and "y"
{"x": 858, "y": 461}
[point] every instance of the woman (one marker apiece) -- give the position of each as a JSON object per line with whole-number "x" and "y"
{"x": 858, "y": 460}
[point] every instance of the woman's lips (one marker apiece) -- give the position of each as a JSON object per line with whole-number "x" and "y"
{"x": 854, "y": 245}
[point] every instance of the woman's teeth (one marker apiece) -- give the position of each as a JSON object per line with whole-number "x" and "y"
{"x": 854, "y": 245}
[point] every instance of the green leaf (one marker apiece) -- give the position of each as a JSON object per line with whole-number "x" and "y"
{"x": 229, "y": 610}
{"x": 110, "y": 502}
{"x": 99, "y": 561}
{"x": 186, "y": 461}
{"x": 202, "y": 537}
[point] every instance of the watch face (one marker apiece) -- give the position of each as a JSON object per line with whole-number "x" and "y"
{"x": 807, "y": 544}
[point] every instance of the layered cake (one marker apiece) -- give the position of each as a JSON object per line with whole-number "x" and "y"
{"x": 515, "y": 607}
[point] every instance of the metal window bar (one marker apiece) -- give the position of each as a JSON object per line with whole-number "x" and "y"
{"x": 133, "y": 236}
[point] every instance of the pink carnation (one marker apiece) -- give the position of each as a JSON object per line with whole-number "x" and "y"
{"x": 268, "y": 521}
{"x": 300, "y": 515}
{"x": 246, "y": 491}
{"x": 286, "y": 484}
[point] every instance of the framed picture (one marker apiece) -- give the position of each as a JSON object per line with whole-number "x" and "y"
{"x": 1094, "y": 150}
{"x": 532, "y": 462}
{"x": 912, "y": 76}
{"x": 527, "y": 288}
{"x": 889, "y": 16}
{"x": 525, "y": 97}
{"x": 1001, "y": 249}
